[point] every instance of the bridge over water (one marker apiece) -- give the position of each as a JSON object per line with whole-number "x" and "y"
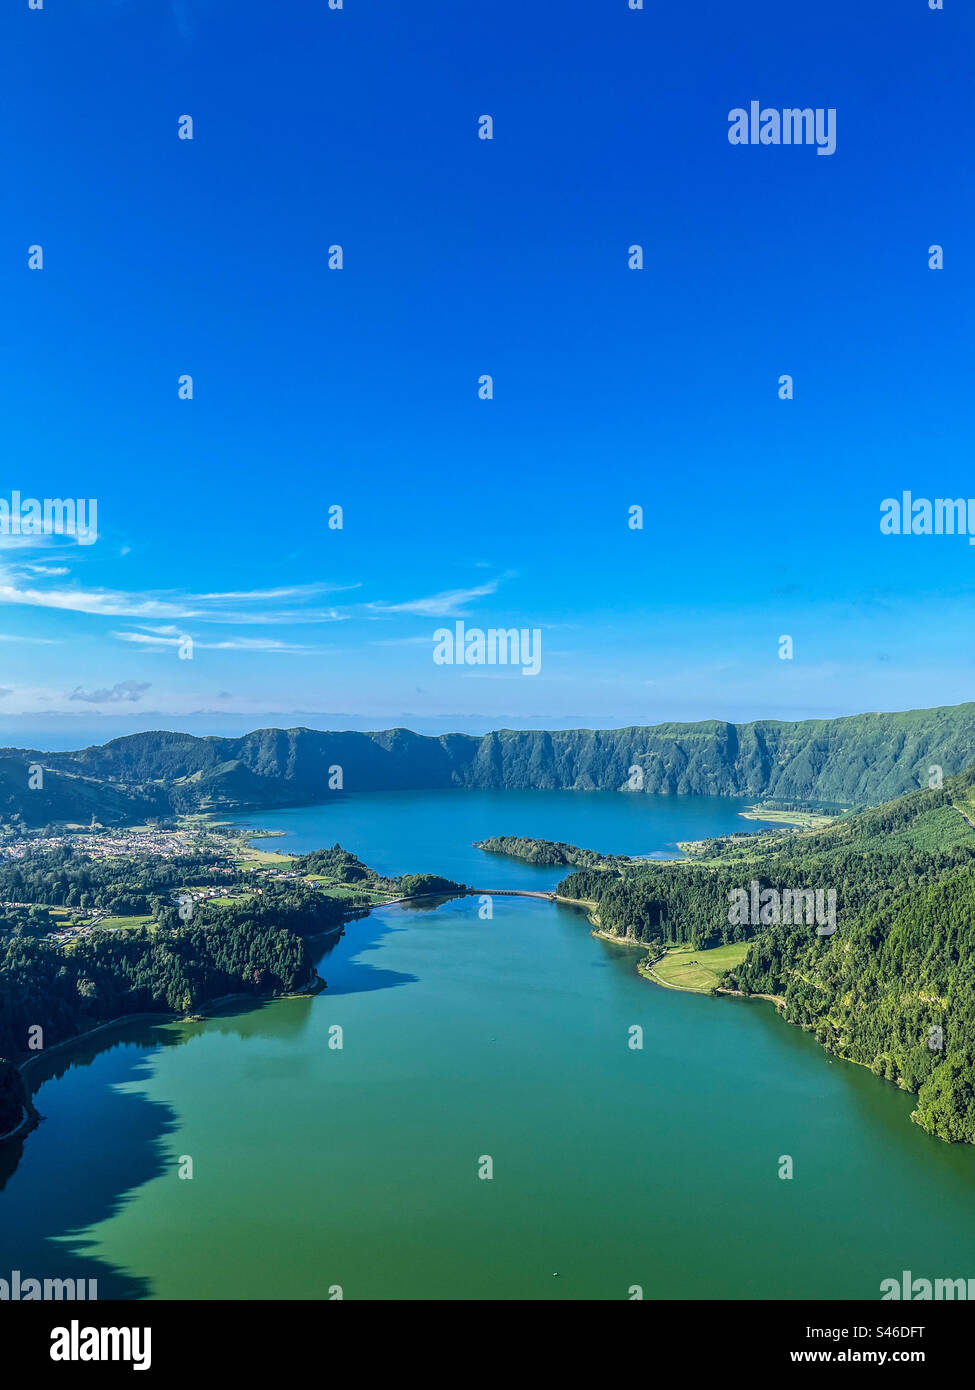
{"x": 478, "y": 893}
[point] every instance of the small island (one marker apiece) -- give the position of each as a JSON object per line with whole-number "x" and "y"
{"x": 548, "y": 852}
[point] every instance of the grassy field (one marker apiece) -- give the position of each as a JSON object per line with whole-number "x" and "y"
{"x": 247, "y": 856}
{"x": 699, "y": 971}
{"x": 806, "y": 820}
{"x": 747, "y": 849}
{"x": 337, "y": 889}
{"x": 124, "y": 923}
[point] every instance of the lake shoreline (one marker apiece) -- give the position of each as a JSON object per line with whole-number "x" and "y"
{"x": 29, "y": 1122}
{"x": 647, "y": 972}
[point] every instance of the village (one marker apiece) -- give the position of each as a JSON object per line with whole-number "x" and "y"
{"x": 106, "y": 844}
{"x": 229, "y": 854}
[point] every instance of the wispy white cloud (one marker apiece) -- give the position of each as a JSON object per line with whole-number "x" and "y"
{"x": 449, "y": 603}
{"x": 263, "y": 595}
{"x": 105, "y": 602}
{"x": 158, "y": 641}
{"x": 233, "y": 607}
{"x": 113, "y": 603}
{"x": 40, "y": 542}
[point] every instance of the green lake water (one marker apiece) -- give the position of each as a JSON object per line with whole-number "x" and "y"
{"x": 358, "y": 1168}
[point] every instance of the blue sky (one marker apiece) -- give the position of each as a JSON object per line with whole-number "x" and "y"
{"x": 358, "y": 387}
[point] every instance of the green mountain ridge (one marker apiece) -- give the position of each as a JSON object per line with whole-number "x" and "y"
{"x": 856, "y": 760}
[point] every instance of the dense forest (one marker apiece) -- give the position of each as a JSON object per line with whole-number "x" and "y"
{"x": 552, "y": 852}
{"x": 893, "y": 987}
{"x": 338, "y": 863}
{"x": 172, "y": 969}
{"x": 420, "y": 885}
{"x": 855, "y": 761}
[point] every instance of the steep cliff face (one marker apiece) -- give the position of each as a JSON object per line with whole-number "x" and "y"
{"x": 857, "y": 761}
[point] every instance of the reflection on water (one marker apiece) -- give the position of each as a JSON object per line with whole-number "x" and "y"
{"x": 58, "y": 1182}
{"x": 98, "y": 1144}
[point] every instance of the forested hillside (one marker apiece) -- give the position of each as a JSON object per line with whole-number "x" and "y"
{"x": 251, "y": 943}
{"x": 552, "y": 852}
{"x": 859, "y": 760}
{"x": 66, "y": 795}
{"x": 893, "y": 987}
{"x": 169, "y": 969}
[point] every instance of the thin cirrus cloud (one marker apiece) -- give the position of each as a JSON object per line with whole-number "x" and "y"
{"x": 449, "y": 603}
{"x": 294, "y": 591}
{"x": 234, "y": 607}
{"x": 159, "y": 639}
{"x": 214, "y": 608}
{"x": 43, "y": 541}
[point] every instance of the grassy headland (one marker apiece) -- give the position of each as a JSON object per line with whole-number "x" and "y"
{"x": 890, "y": 983}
